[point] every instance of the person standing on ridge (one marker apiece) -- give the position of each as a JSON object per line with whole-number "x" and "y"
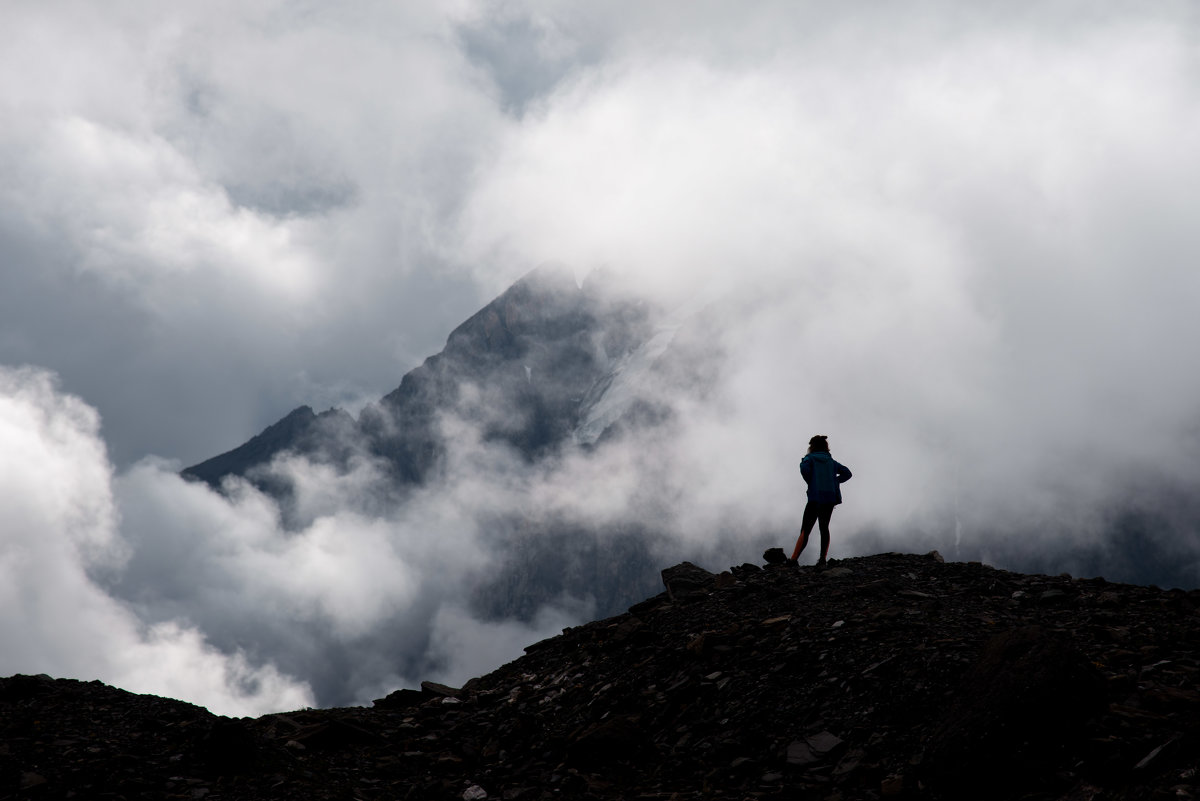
{"x": 824, "y": 478}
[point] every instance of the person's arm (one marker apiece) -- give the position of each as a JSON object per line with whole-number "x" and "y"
{"x": 806, "y": 471}
{"x": 843, "y": 473}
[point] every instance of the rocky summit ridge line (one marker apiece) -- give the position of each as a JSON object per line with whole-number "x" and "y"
{"x": 524, "y": 370}
{"x": 888, "y": 676}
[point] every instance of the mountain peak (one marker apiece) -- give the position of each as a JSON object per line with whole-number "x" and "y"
{"x": 518, "y": 370}
{"x": 275, "y": 438}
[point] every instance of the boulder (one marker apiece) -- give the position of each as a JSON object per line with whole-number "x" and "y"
{"x": 818, "y": 747}
{"x": 774, "y": 556}
{"x": 400, "y": 699}
{"x": 686, "y": 580}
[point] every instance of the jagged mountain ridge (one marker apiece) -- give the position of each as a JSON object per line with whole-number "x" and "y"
{"x": 526, "y": 369}
{"x": 888, "y": 676}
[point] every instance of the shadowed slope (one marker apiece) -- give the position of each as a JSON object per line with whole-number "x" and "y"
{"x": 861, "y": 682}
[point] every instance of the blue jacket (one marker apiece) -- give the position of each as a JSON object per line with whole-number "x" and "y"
{"x": 824, "y": 477}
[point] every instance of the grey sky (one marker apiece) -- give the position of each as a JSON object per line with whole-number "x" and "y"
{"x": 959, "y": 239}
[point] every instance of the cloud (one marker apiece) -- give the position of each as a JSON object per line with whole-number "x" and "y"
{"x": 470, "y": 647}
{"x": 160, "y": 585}
{"x": 352, "y": 593}
{"x": 59, "y": 522}
{"x": 183, "y": 219}
{"x": 957, "y": 251}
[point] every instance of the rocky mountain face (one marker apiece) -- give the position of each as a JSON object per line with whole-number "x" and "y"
{"x": 524, "y": 370}
{"x": 884, "y": 677}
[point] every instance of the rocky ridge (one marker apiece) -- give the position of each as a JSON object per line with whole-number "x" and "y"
{"x": 522, "y": 370}
{"x": 886, "y": 676}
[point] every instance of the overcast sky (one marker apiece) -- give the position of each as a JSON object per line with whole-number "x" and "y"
{"x": 963, "y": 236}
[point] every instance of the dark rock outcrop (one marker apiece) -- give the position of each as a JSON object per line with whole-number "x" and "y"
{"x": 870, "y": 680}
{"x": 686, "y": 580}
{"x": 774, "y": 556}
{"x": 328, "y": 436}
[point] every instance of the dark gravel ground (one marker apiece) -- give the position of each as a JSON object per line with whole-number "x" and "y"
{"x": 887, "y": 676}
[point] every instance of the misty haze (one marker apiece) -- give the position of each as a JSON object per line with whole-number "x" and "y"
{"x": 345, "y": 350}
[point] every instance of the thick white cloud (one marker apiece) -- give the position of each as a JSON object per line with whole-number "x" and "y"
{"x": 202, "y": 192}
{"x": 955, "y": 250}
{"x": 159, "y": 585}
{"x": 58, "y": 521}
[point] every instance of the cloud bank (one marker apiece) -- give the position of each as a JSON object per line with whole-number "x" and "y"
{"x": 59, "y": 523}
{"x": 159, "y": 585}
{"x": 195, "y": 192}
{"x": 960, "y": 248}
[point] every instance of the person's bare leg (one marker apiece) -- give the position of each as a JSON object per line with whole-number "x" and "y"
{"x": 807, "y": 521}
{"x": 800, "y": 543}
{"x": 823, "y": 521}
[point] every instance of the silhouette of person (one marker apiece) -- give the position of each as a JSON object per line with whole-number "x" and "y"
{"x": 824, "y": 478}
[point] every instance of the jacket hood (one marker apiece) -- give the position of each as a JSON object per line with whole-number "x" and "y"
{"x": 819, "y": 455}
